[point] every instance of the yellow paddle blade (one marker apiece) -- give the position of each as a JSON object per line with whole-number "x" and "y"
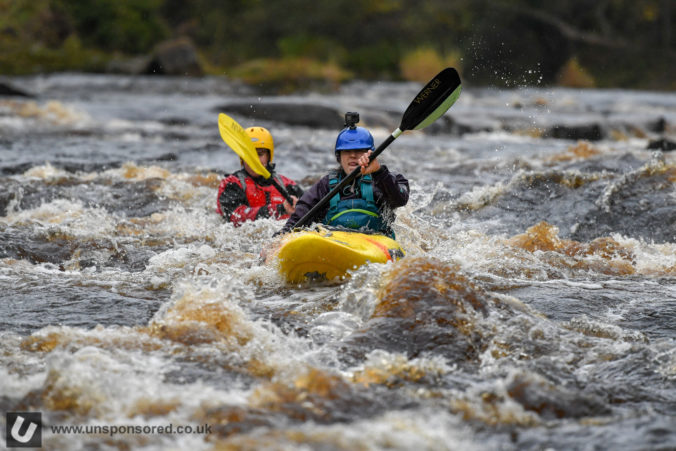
{"x": 234, "y": 136}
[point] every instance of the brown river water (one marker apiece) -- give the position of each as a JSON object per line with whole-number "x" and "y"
{"x": 535, "y": 309}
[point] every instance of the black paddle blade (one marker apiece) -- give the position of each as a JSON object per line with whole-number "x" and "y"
{"x": 432, "y": 101}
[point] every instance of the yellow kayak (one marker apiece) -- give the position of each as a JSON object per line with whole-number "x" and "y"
{"x": 324, "y": 254}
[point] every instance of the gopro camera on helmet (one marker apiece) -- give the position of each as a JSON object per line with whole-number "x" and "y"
{"x": 351, "y": 119}
{"x": 353, "y": 137}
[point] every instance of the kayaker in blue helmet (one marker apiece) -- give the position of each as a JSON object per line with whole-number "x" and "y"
{"x": 367, "y": 203}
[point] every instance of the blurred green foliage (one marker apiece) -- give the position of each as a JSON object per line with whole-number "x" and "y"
{"x": 129, "y": 26}
{"x": 624, "y": 43}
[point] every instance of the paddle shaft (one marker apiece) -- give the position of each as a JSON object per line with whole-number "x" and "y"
{"x": 431, "y": 102}
{"x": 351, "y": 176}
{"x": 282, "y": 190}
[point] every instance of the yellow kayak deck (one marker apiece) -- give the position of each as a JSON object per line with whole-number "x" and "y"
{"x": 326, "y": 254}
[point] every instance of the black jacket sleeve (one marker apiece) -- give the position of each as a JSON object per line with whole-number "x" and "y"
{"x": 231, "y": 198}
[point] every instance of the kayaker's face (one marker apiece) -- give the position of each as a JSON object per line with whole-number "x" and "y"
{"x": 263, "y": 156}
{"x": 349, "y": 159}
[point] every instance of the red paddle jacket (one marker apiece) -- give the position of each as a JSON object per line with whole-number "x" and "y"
{"x": 242, "y": 198}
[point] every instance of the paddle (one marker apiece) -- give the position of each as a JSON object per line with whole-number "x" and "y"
{"x": 431, "y": 103}
{"x": 234, "y": 136}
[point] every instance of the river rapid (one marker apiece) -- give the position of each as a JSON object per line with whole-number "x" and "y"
{"x": 535, "y": 309}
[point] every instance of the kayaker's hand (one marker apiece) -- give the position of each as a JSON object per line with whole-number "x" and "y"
{"x": 367, "y": 168}
{"x": 290, "y": 208}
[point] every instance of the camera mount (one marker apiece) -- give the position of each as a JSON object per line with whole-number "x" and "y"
{"x": 351, "y": 119}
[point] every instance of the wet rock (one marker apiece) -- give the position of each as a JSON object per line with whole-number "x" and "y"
{"x": 387, "y": 119}
{"x": 622, "y": 164}
{"x": 315, "y": 396}
{"x": 638, "y": 205}
{"x": 590, "y": 199}
{"x": 661, "y": 144}
{"x": 589, "y": 132}
{"x": 171, "y": 156}
{"x": 134, "y": 200}
{"x": 427, "y": 306}
{"x": 8, "y": 90}
{"x": 130, "y": 66}
{"x": 44, "y": 249}
{"x": 175, "y": 121}
{"x": 552, "y": 402}
{"x": 314, "y": 115}
{"x": 651, "y": 220}
{"x": 5, "y": 198}
{"x": 177, "y": 57}
{"x": 452, "y": 125}
{"x": 128, "y": 258}
{"x": 307, "y": 114}
{"x": 658, "y": 126}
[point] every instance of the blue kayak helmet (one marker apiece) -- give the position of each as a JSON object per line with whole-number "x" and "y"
{"x": 353, "y": 137}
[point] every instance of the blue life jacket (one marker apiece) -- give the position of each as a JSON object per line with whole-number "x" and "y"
{"x": 360, "y": 213}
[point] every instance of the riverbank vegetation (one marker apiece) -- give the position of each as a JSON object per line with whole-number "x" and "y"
{"x": 293, "y": 43}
